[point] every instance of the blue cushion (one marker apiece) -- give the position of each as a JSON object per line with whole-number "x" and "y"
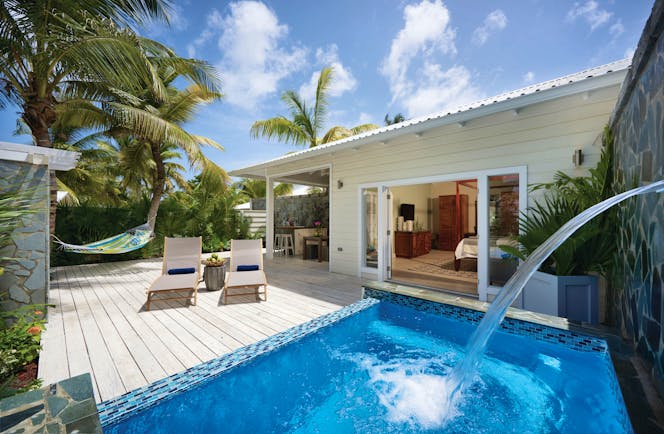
{"x": 190, "y": 270}
{"x": 247, "y": 267}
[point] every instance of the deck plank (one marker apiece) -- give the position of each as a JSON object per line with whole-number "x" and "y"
{"x": 100, "y": 325}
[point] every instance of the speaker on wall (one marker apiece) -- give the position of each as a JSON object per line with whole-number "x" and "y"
{"x": 407, "y": 210}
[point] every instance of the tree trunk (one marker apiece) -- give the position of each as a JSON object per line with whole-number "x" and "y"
{"x": 159, "y": 179}
{"x": 39, "y": 116}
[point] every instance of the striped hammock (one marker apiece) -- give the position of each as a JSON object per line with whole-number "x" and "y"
{"x": 125, "y": 242}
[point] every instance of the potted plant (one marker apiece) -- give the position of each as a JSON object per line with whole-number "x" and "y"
{"x": 564, "y": 286}
{"x": 214, "y": 273}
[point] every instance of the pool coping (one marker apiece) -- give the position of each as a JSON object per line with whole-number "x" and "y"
{"x": 610, "y": 335}
{"x": 126, "y": 405}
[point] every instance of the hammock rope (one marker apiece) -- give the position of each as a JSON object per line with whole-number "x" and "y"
{"x": 128, "y": 241}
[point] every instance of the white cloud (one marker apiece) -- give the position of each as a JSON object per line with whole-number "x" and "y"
{"x": 177, "y": 18}
{"x": 617, "y": 28}
{"x": 253, "y": 56}
{"x": 440, "y": 90}
{"x": 429, "y": 87}
{"x": 365, "y": 118}
{"x": 591, "y": 12}
{"x": 529, "y": 77}
{"x": 342, "y": 81}
{"x": 629, "y": 53}
{"x": 496, "y": 20}
{"x": 425, "y": 31}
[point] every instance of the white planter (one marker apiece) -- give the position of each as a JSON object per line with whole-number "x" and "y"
{"x": 572, "y": 297}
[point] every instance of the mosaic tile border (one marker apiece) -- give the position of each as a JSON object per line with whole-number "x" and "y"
{"x": 117, "y": 409}
{"x": 570, "y": 339}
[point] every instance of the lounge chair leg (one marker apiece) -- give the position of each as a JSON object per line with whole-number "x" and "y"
{"x": 147, "y": 305}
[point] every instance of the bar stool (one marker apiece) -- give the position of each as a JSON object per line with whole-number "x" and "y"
{"x": 287, "y": 244}
{"x": 279, "y": 244}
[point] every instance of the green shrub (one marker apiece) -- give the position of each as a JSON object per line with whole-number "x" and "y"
{"x": 593, "y": 246}
{"x": 20, "y": 334}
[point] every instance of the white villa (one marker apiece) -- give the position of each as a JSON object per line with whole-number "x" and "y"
{"x": 463, "y": 174}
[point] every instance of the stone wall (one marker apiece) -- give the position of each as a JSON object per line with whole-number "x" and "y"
{"x": 25, "y": 279}
{"x": 638, "y": 125}
{"x": 303, "y": 210}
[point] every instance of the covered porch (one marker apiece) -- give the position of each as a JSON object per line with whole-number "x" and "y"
{"x": 280, "y": 221}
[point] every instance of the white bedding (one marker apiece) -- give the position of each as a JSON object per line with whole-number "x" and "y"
{"x": 467, "y": 248}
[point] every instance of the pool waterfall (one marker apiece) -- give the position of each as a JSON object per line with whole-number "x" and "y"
{"x": 463, "y": 373}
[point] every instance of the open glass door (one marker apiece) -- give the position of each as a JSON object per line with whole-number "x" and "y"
{"x": 370, "y": 230}
{"x": 505, "y": 200}
{"x": 389, "y": 234}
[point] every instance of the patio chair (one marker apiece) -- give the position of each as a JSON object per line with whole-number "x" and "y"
{"x": 180, "y": 270}
{"x": 246, "y": 269}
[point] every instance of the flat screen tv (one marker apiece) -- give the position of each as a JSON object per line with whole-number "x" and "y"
{"x": 407, "y": 211}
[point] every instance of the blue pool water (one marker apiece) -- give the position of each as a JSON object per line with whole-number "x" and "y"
{"x": 384, "y": 370}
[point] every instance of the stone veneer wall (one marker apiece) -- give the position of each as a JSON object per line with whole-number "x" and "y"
{"x": 303, "y": 210}
{"x": 638, "y": 125}
{"x": 25, "y": 280}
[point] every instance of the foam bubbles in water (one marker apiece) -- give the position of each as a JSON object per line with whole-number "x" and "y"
{"x": 410, "y": 393}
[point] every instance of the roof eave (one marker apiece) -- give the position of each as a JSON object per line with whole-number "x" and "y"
{"x": 55, "y": 159}
{"x": 578, "y": 87}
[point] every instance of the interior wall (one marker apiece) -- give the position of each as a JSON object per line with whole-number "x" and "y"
{"x": 417, "y": 195}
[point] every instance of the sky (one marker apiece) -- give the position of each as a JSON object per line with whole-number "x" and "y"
{"x": 389, "y": 56}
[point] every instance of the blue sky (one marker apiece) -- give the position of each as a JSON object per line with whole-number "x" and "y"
{"x": 412, "y": 57}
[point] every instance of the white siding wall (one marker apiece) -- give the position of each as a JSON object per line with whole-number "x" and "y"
{"x": 542, "y": 137}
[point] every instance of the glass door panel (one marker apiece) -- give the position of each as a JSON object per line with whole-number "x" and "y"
{"x": 503, "y": 226}
{"x": 370, "y": 233}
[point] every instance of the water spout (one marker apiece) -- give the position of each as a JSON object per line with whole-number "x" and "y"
{"x": 463, "y": 373}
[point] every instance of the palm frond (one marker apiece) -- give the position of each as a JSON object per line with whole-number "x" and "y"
{"x": 279, "y": 128}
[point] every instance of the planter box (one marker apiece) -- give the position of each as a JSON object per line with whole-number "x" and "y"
{"x": 572, "y": 297}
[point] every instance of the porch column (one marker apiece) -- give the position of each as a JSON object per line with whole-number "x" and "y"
{"x": 483, "y": 237}
{"x": 269, "y": 217}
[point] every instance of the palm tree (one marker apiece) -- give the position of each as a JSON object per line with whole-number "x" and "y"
{"x": 306, "y": 124}
{"x": 257, "y": 188}
{"x": 395, "y": 120}
{"x": 50, "y": 50}
{"x": 149, "y": 128}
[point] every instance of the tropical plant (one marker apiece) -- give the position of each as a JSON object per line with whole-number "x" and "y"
{"x": 20, "y": 335}
{"x": 148, "y": 125}
{"x": 306, "y": 124}
{"x": 52, "y": 51}
{"x": 395, "y": 120}
{"x": 592, "y": 247}
{"x": 257, "y": 188}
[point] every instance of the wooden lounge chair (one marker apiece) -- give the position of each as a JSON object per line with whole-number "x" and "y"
{"x": 246, "y": 254}
{"x": 181, "y": 256}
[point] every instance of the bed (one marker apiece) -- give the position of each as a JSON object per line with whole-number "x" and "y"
{"x": 468, "y": 249}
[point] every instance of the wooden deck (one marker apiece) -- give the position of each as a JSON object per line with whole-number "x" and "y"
{"x": 99, "y": 323}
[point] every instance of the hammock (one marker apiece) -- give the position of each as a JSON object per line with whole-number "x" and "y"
{"x": 125, "y": 242}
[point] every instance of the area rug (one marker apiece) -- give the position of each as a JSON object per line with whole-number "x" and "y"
{"x": 431, "y": 266}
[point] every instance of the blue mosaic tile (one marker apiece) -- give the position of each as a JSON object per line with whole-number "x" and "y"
{"x": 572, "y": 340}
{"x": 120, "y": 408}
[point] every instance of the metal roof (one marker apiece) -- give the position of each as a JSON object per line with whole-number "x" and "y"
{"x": 583, "y": 81}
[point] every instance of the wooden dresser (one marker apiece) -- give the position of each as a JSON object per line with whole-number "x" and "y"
{"x": 412, "y": 244}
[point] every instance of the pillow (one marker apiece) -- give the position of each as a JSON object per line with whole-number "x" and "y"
{"x": 247, "y": 267}
{"x": 191, "y": 270}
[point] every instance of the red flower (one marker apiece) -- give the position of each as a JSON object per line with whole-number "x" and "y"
{"x": 34, "y": 330}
